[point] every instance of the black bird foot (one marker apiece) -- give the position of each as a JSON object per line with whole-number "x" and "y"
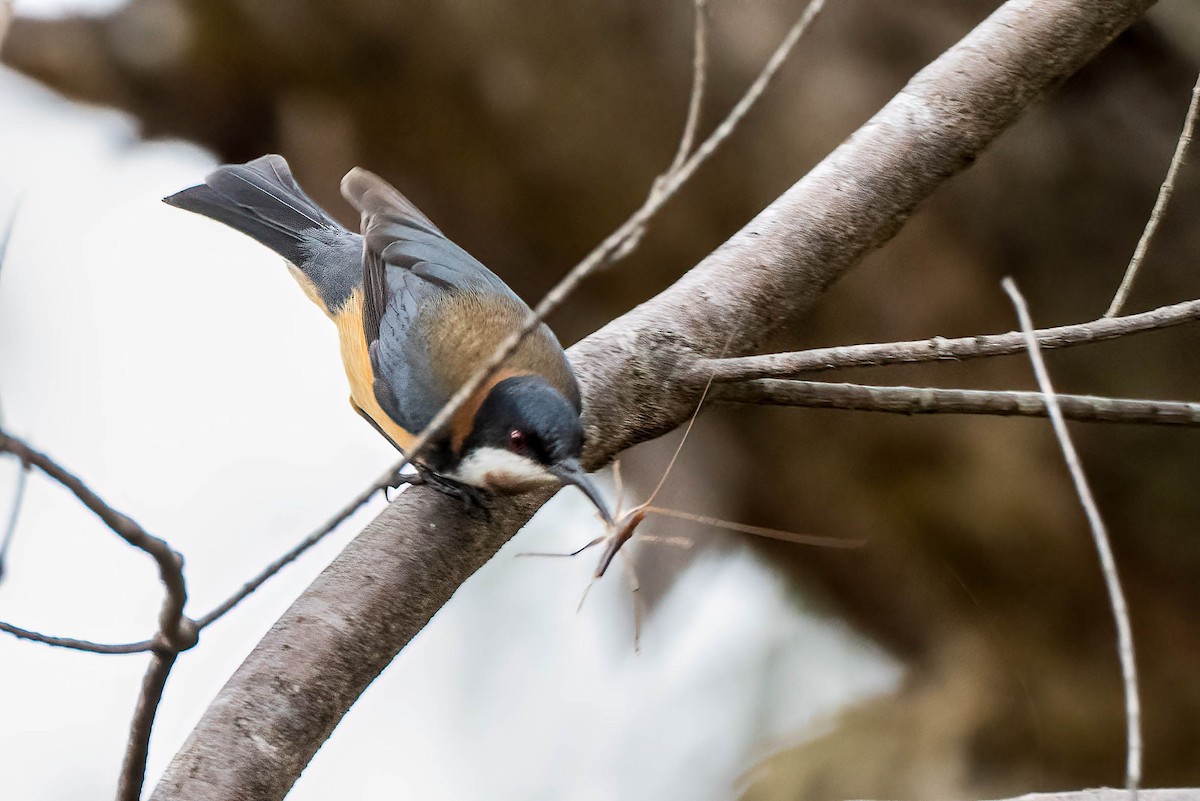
{"x": 400, "y": 479}
{"x": 475, "y": 499}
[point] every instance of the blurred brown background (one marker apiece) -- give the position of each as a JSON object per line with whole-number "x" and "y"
{"x": 529, "y": 130}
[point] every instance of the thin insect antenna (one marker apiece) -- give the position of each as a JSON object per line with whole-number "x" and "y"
{"x": 687, "y": 431}
{"x": 575, "y": 552}
{"x": 583, "y": 597}
{"x": 760, "y": 531}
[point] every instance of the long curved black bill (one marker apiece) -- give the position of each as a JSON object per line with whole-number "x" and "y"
{"x": 569, "y": 471}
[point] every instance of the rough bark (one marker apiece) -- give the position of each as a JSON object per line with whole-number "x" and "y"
{"x": 288, "y": 695}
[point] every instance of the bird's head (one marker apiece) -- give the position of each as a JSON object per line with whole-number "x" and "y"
{"x": 525, "y": 434}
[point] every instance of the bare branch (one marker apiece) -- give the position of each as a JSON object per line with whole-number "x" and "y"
{"x": 77, "y": 645}
{"x": 133, "y": 769}
{"x": 1133, "y": 715}
{"x": 696, "y": 102}
{"x": 1160, "y": 205}
{"x": 783, "y": 365}
{"x": 175, "y": 633}
{"x": 14, "y": 516}
{"x": 936, "y": 400}
{"x": 170, "y": 563}
{"x": 621, "y": 242}
{"x": 290, "y": 692}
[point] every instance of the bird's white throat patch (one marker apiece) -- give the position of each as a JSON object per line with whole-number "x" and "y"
{"x": 500, "y": 470}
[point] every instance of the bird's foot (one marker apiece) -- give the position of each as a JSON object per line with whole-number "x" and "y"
{"x": 476, "y": 500}
{"x": 399, "y": 479}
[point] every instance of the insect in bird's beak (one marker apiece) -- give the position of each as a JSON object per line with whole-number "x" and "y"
{"x": 569, "y": 471}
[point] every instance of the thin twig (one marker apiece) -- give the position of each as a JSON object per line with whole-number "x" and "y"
{"x": 622, "y": 241}
{"x": 1160, "y": 204}
{"x": 759, "y": 531}
{"x": 283, "y": 561}
{"x": 77, "y": 645}
{"x": 936, "y": 400}
{"x": 133, "y": 769}
{"x": 699, "y": 71}
{"x": 1133, "y": 763}
{"x": 783, "y": 365}
{"x": 12, "y": 216}
{"x": 14, "y": 516}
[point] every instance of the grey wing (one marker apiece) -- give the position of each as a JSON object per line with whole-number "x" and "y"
{"x": 408, "y": 265}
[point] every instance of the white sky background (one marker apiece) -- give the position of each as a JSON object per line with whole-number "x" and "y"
{"x": 177, "y": 369}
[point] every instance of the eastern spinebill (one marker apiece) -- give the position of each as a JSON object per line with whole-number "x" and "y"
{"x": 416, "y": 316}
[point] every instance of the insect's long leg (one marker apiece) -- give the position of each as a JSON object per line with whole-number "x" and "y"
{"x": 635, "y": 589}
{"x": 560, "y": 554}
{"x": 759, "y": 531}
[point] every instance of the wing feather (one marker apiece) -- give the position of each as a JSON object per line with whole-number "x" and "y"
{"x": 412, "y": 273}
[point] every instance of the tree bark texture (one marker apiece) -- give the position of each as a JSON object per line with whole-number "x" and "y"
{"x": 289, "y": 694}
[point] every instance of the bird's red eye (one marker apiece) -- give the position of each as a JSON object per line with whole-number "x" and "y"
{"x": 517, "y": 442}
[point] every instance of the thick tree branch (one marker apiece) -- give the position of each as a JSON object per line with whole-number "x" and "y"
{"x": 285, "y": 699}
{"x": 936, "y": 400}
{"x": 785, "y": 365}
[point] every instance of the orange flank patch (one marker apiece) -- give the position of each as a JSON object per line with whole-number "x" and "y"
{"x": 357, "y": 361}
{"x": 308, "y": 287}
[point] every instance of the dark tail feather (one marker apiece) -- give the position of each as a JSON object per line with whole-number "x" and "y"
{"x": 262, "y": 200}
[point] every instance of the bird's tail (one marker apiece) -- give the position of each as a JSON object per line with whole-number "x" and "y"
{"x": 262, "y": 200}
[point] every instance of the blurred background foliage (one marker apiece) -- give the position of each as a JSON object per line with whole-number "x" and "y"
{"x": 529, "y": 130}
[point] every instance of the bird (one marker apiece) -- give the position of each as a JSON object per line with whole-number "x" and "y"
{"x": 416, "y": 318}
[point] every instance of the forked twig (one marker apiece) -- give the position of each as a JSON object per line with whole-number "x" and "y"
{"x": 1108, "y": 564}
{"x": 1160, "y": 204}
{"x": 175, "y": 632}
